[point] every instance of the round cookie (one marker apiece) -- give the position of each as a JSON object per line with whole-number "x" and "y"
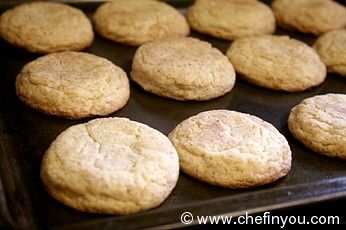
{"x": 319, "y": 123}
{"x": 73, "y": 85}
{"x": 182, "y": 69}
{"x": 331, "y": 48}
{"x": 277, "y": 62}
{"x": 110, "y": 165}
{"x": 135, "y": 22}
{"x": 231, "y": 19}
{"x": 46, "y": 27}
{"x": 309, "y": 16}
{"x": 231, "y": 149}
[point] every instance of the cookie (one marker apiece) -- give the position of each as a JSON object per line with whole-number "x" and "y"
{"x": 331, "y": 47}
{"x": 182, "y": 69}
{"x": 277, "y": 62}
{"x": 231, "y": 149}
{"x": 46, "y": 27}
{"x": 319, "y": 123}
{"x": 135, "y": 22}
{"x": 110, "y": 165}
{"x": 309, "y": 16}
{"x": 73, "y": 85}
{"x": 231, "y": 19}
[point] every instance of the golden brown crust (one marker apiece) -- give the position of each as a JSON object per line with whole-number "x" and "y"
{"x": 310, "y": 16}
{"x": 331, "y": 47}
{"x": 73, "y": 85}
{"x": 231, "y": 19}
{"x": 231, "y": 149}
{"x": 319, "y": 123}
{"x": 135, "y": 22}
{"x": 46, "y": 27}
{"x": 277, "y": 62}
{"x": 183, "y": 69}
{"x": 110, "y": 165}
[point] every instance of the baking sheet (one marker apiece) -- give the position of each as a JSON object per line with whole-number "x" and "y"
{"x": 25, "y": 134}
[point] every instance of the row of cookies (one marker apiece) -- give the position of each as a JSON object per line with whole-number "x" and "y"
{"x": 233, "y": 19}
{"x": 50, "y": 27}
{"x": 47, "y": 27}
{"x": 76, "y": 85}
{"x": 126, "y": 19}
{"x": 119, "y": 166}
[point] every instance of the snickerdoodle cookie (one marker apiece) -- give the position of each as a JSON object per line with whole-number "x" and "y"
{"x": 277, "y": 62}
{"x": 73, "y": 85}
{"x": 182, "y": 69}
{"x": 332, "y": 50}
{"x": 231, "y": 19}
{"x": 231, "y": 149}
{"x": 135, "y": 22}
{"x": 46, "y": 27}
{"x": 319, "y": 123}
{"x": 110, "y": 165}
{"x": 310, "y": 16}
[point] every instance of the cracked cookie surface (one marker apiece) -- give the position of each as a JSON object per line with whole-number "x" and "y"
{"x": 319, "y": 123}
{"x": 135, "y": 22}
{"x": 310, "y": 16}
{"x": 231, "y": 149}
{"x": 110, "y": 165}
{"x": 73, "y": 85}
{"x": 46, "y": 27}
{"x": 277, "y": 62}
{"x": 183, "y": 69}
{"x": 332, "y": 49}
{"x": 231, "y": 19}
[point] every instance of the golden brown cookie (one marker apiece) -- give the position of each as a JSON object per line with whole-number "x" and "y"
{"x": 73, "y": 85}
{"x": 46, "y": 27}
{"x": 319, "y": 123}
{"x": 331, "y": 47}
{"x": 135, "y": 22}
{"x": 277, "y": 62}
{"x": 231, "y": 149}
{"x": 310, "y": 16}
{"x": 110, "y": 165}
{"x": 231, "y": 19}
{"x": 182, "y": 69}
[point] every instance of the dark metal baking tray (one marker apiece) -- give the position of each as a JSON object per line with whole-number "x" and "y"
{"x": 25, "y": 135}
